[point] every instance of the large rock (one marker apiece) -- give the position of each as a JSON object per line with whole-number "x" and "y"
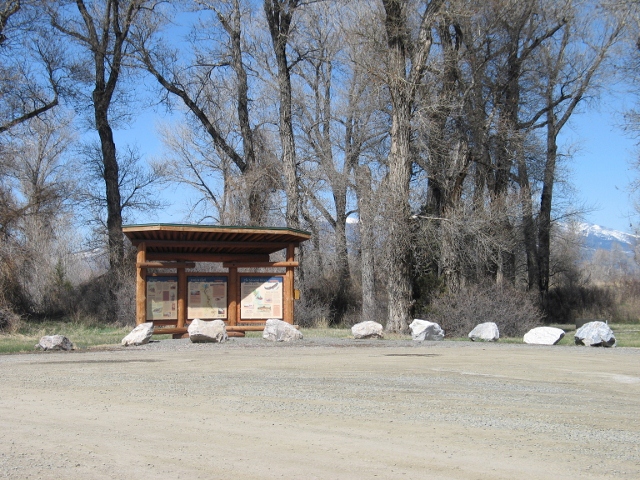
{"x": 54, "y": 342}
{"x": 485, "y": 332}
{"x": 422, "y": 330}
{"x": 583, "y": 321}
{"x": 139, "y": 335}
{"x": 279, "y": 331}
{"x": 595, "y": 334}
{"x": 543, "y": 336}
{"x": 368, "y": 329}
{"x": 201, "y": 331}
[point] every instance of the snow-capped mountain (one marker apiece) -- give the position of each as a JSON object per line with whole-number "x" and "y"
{"x": 601, "y": 238}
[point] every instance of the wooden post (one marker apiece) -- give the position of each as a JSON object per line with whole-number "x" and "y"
{"x": 288, "y": 286}
{"x": 141, "y": 285}
{"x": 232, "y": 297}
{"x": 182, "y": 297}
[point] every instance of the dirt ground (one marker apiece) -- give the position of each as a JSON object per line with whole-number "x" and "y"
{"x": 249, "y": 409}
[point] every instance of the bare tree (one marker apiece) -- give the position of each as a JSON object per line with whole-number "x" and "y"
{"x": 36, "y": 240}
{"x": 101, "y": 32}
{"x": 407, "y": 58}
{"x": 279, "y": 14}
{"x": 30, "y": 65}
{"x": 366, "y": 214}
{"x": 339, "y": 126}
{"x": 213, "y": 83}
{"x": 570, "y": 73}
{"x": 138, "y": 185}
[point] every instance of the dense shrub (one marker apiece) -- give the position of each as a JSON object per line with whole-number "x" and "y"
{"x": 515, "y": 312}
{"x": 565, "y": 304}
{"x": 314, "y": 307}
{"x": 9, "y": 321}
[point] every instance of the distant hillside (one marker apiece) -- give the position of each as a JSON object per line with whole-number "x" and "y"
{"x": 601, "y": 238}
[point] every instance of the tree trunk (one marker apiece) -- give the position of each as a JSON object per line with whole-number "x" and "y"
{"x": 544, "y": 219}
{"x": 251, "y": 173}
{"x": 528, "y": 223}
{"x": 367, "y": 246}
{"x": 402, "y": 86}
{"x": 398, "y": 244}
{"x": 112, "y": 184}
{"x": 279, "y": 15}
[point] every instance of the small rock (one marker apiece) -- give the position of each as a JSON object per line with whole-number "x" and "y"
{"x": 201, "y": 331}
{"x": 279, "y": 331}
{"x": 543, "y": 336}
{"x": 54, "y": 342}
{"x": 595, "y": 334}
{"x": 422, "y": 330}
{"x": 486, "y": 332}
{"x": 368, "y": 329}
{"x": 139, "y": 335}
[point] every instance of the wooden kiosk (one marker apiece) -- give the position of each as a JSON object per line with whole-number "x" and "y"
{"x": 170, "y": 296}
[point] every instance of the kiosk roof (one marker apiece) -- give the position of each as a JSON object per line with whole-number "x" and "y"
{"x": 213, "y": 239}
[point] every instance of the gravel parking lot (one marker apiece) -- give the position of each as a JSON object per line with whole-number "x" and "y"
{"x": 322, "y": 408}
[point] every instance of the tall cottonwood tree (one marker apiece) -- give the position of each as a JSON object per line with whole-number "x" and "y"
{"x": 101, "y": 30}
{"x": 213, "y": 78}
{"x": 406, "y": 63}
{"x": 279, "y": 15}
{"x": 570, "y": 70}
{"x": 329, "y": 142}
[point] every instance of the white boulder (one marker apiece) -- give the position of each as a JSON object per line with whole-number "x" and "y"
{"x": 422, "y": 330}
{"x": 54, "y": 342}
{"x": 279, "y": 331}
{"x": 139, "y": 335}
{"x": 485, "y": 332}
{"x": 595, "y": 334}
{"x": 543, "y": 336}
{"x": 201, "y": 331}
{"x": 368, "y": 329}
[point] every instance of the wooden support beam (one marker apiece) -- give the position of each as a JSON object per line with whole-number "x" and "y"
{"x": 233, "y": 296}
{"x": 208, "y": 257}
{"x": 161, "y": 264}
{"x": 178, "y": 333}
{"x": 249, "y": 328}
{"x": 182, "y": 297}
{"x": 259, "y": 264}
{"x": 230, "y": 329}
{"x": 211, "y": 244}
{"x": 141, "y": 286}
{"x": 288, "y": 286}
{"x": 245, "y": 328}
{"x": 170, "y": 331}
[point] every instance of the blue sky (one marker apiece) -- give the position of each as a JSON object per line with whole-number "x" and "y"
{"x": 600, "y": 168}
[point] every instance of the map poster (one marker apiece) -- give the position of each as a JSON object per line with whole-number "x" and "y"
{"x": 162, "y": 298}
{"x": 261, "y": 297}
{"x": 207, "y": 297}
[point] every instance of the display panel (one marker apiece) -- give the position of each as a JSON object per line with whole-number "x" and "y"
{"x": 162, "y": 298}
{"x": 261, "y": 297}
{"x": 207, "y": 297}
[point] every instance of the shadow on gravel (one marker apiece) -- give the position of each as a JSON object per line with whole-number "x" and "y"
{"x": 413, "y": 355}
{"x": 63, "y": 362}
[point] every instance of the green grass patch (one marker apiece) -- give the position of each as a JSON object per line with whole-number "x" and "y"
{"x": 627, "y": 334}
{"x": 82, "y": 336}
{"x": 86, "y": 336}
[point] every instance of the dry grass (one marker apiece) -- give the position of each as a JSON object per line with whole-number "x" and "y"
{"x": 81, "y": 335}
{"x": 91, "y": 336}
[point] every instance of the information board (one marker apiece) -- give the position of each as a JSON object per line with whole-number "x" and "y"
{"x": 207, "y": 297}
{"x": 162, "y": 298}
{"x": 261, "y": 297}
